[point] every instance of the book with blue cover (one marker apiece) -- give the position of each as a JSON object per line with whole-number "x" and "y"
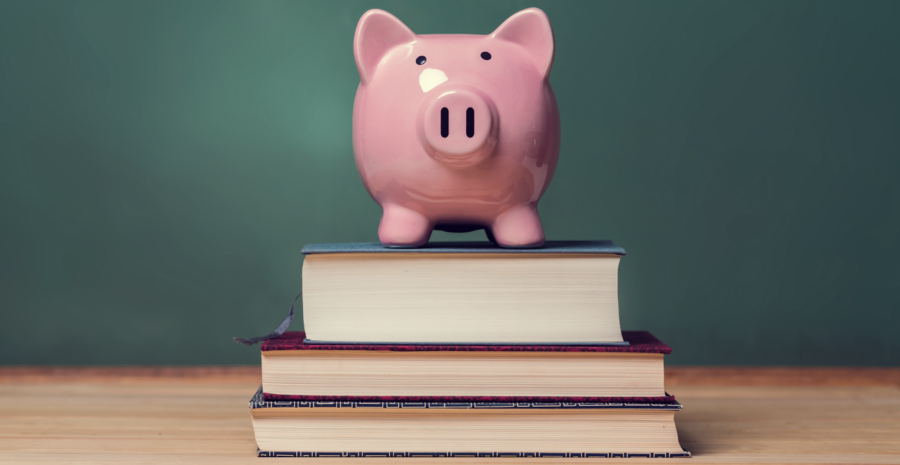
{"x": 550, "y": 247}
{"x": 563, "y": 293}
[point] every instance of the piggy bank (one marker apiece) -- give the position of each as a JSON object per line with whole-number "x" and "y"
{"x": 456, "y": 132}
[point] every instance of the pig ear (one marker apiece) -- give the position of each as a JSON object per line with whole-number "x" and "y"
{"x": 377, "y": 32}
{"x": 531, "y": 29}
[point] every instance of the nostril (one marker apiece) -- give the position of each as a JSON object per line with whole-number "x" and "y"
{"x": 445, "y": 122}
{"x": 470, "y": 122}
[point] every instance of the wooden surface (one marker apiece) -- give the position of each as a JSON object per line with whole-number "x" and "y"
{"x": 200, "y": 415}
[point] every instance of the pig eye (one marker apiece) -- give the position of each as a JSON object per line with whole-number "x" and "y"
{"x": 420, "y": 60}
{"x": 485, "y": 55}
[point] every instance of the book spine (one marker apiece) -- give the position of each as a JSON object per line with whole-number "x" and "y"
{"x": 549, "y": 399}
{"x": 263, "y": 453}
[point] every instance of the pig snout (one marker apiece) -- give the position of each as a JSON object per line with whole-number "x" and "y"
{"x": 460, "y": 127}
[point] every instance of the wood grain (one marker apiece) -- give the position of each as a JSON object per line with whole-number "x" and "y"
{"x": 675, "y": 376}
{"x": 200, "y": 415}
{"x": 782, "y": 376}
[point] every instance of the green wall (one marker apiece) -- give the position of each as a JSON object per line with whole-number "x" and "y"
{"x": 163, "y": 162}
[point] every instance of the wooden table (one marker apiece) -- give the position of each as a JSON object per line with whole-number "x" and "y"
{"x": 200, "y": 415}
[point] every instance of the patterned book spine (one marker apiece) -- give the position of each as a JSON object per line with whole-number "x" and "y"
{"x": 258, "y": 402}
{"x": 667, "y": 399}
{"x": 265, "y": 453}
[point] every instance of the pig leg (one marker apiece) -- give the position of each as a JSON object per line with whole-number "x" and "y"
{"x": 519, "y": 228}
{"x": 402, "y": 227}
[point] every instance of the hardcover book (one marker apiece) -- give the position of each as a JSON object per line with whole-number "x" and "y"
{"x": 464, "y": 429}
{"x": 294, "y": 369}
{"x": 462, "y": 293}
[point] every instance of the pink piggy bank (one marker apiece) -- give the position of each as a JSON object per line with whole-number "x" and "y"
{"x": 456, "y": 132}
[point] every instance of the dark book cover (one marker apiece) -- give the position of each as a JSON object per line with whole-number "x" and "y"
{"x": 550, "y": 247}
{"x": 259, "y": 400}
{"x": 637, "y": 342}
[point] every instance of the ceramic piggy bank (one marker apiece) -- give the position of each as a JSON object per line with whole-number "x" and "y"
{"x": 456, "y": 132}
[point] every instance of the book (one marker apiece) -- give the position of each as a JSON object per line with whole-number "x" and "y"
{"x": 464, "y": 429}
{"x": 462, "y": 293}
{"x": 295, "y": 369}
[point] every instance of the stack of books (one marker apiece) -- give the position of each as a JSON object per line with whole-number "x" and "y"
{"x": 463, "y": 350}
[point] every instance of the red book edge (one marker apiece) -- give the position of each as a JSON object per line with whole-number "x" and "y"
{"x": 639, "y": 342}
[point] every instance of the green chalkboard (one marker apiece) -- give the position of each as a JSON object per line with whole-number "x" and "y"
{"x": 163, "y": 162}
